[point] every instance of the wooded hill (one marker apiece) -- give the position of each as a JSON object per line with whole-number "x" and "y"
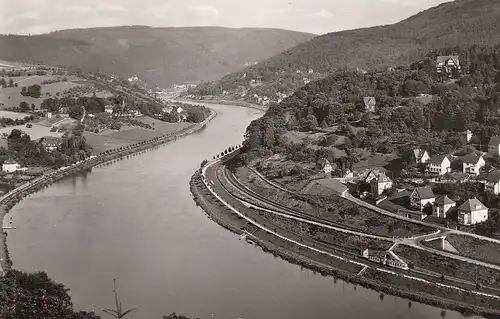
{"x": 458, "y": 23}
{"x": 414, "y": 109}
{"x": 161, "y": 56}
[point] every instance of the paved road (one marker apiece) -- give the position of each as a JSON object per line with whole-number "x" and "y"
{"x": 444, "y": 231}
{"x": 34, "y": 76}
{"x": 211, "y": 176}
{"x": 209, "y": 172}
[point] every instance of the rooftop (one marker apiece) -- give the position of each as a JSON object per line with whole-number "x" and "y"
{"x": 472, "y": 205}
{"x": 495, "y": 141}
{"x": 471, "y": 158}
{"x": 10, "y": 161}
{"x": 444, "y": 200}
{"x": 424, "y": 192}
{"x": 369, "y": 100}
{"x": 493, "y": 176}
{"x": 51, "y": 140}
{"x": 443, "y": 58}
{"x": 437, "y": 159}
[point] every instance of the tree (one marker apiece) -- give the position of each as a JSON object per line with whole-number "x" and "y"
{"x": 76, "y": 112}
{"x": 3, "y": 83}
{"x": 33, "y": 296}
{"x": 311, "y": 122}
{"x": 24, "y": 106}
{"x": 11, "y": 83}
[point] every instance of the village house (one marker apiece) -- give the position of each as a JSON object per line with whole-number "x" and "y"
{"x": 421, "y": 156}
{"x": 10, "y": 166}
{"x": 472, "y": 212}
{"x": 492, "y": 184}
{"x": 379, "y": 184}
{"x": 109, "y": 109}
{"x": 468, "y": 136}
{"x": 422, "y": 197}
{"x": 472, "y": 164}
{"x": 326, "y": 167}
{"x": 494, "y": 145}
{"x": 442, "y": 206}
{"x": 51, "y": 143}
{"x": 448, "y": 65}
{"x": 370, "y": 103}
{"x": 439, "y": 164}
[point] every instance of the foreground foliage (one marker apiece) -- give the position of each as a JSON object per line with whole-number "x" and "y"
{"x": 35, "y": 296}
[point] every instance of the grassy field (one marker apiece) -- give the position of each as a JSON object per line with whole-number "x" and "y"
{"x": 350, "y": 243}
{"x": 54, "y": 121}
{"x": 163, "y": 127}
{"x": 475, "y": 248}
{"x": 13, "y": 115}
{"x": 10, "y": 64}
{"x": 335, "y": 209}
{"x": 35, "y": 132}
{"x": 448, "y": 266}
{"x": 101, "y": 143}
{"x": 113, "y": 139}
{"x": 15, "y": 92}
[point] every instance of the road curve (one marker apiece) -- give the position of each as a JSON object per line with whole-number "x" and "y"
{"x": 210, "y": 171}
{"x": 209, "y": 179}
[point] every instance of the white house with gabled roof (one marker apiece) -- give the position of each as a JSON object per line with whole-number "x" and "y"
{"x": 442, "y": 206}
{"x": 472, "y": 212}
{"x": 421, "y": 156}
{"x": 10, "y": 166}
{"x": 472, "y": 164}
{"x": 492, "y": 182}
{"x": 439, "y": 164}
{"x": 494, "y": 145}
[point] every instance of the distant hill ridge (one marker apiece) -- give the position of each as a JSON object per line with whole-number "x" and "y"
{"x": 161, "y": 56}
{"x": 458, "y": 23}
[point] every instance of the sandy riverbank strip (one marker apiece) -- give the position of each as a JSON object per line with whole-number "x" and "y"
{"x": 9, "y": 200}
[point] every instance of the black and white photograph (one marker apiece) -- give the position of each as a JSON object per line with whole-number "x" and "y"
{"x": 237, "y": 159}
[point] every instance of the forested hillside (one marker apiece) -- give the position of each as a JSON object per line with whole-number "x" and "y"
{"x": 161, "y": 56}
{"x": 458, "y": 23}
{"x": 414, "y": 109}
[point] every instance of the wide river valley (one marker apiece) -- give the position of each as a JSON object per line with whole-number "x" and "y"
{"x": 135, "y": 220}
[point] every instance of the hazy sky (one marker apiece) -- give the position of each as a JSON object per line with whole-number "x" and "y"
{"x": 316, "y": 16}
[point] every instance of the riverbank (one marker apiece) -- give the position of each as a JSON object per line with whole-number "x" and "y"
{"x": 10, "y": 199}
{"x": 428, "y": 293}
{"x": 227, "y": 102}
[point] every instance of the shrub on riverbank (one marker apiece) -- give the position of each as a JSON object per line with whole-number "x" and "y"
{"x": 35, "y": 296}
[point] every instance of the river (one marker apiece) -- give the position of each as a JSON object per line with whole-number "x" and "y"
{"x": 135, "y": 220}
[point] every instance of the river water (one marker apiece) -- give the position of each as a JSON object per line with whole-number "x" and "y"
{"x": 135, "y": 221}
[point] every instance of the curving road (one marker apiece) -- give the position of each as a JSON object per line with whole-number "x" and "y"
{"x": 212, "y": 182}
{"x": 253, "y": 199}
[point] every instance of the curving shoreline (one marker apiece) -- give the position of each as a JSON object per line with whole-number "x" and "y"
{"x": 223, "y": 217}
{"x": 10, "y": 199}
{"x": 226, "y": 102}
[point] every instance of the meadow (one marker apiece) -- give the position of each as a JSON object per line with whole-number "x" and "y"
{"x": 35, "y": 132}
